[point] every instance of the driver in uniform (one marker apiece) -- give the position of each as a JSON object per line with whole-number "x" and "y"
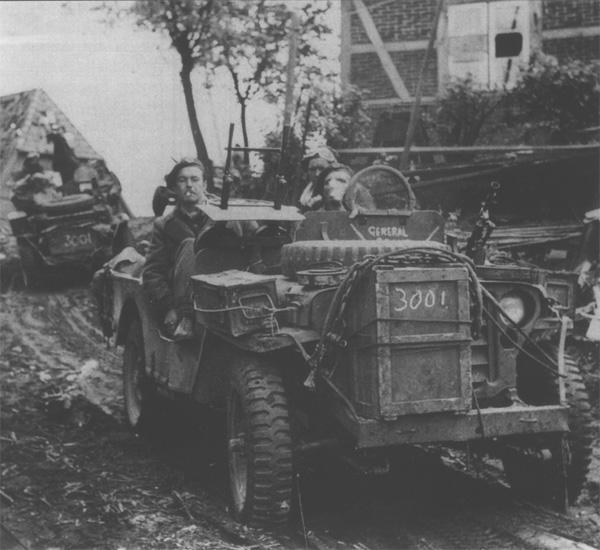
{"x": 187, "y": 182}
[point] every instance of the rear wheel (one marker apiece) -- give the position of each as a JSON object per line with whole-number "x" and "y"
{"x": 540, "y": 471}
{"x": 138, "y": 389}
{"x": 31, "y": 278}
{"x": 31, "y": 269}
{"x": 259, "y": 446}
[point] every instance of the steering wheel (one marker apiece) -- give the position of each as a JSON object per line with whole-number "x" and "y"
{"x": 388, "y": 187}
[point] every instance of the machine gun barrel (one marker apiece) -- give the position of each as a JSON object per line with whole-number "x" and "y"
{"x": 483, "y": 227}
{"x": 226, "y": 189}
{"x": 279, "y": 178}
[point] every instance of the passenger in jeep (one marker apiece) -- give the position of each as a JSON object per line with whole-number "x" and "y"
{"x": 317, "y": 161}
{"x": 339, "y": 194}
{"x": 187, "y": 182}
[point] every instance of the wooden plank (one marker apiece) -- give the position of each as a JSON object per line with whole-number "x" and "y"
{"x": 442, "y": 48}
{"x": 346, "y": 44}
{"x": 389, "y": 101}
{"x": 548, "y": 541}
{"x": 440, "y": 427}
{"x": 404, "y": 46}
{"x": 383, "y": 54}
{"x": 571, "y": 32}
{"x": 414, "y": 113}
{"x": 376, "y": 4}
{"x": 471, "y": 149}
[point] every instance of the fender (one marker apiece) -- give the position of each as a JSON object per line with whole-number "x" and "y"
{"x": 286, "y": 337}
{"x": 211, "y": 382}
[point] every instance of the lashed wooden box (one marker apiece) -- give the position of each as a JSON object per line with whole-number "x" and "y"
{"x": 409, "y": 342}
{"x": 234, "y": 302}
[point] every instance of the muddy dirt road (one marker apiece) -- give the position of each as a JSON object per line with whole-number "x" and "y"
{"x": 74, "y": 477}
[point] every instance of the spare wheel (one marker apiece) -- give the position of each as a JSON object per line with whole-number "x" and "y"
{"x": 303, "y": 255}
{"x": 68, "y": 204}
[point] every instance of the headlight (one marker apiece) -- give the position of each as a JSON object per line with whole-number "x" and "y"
{"x": 514, "y": 307}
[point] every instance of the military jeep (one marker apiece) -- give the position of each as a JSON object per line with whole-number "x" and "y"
{"x": 73, "y": 231}
{"x": 362, "y": 332}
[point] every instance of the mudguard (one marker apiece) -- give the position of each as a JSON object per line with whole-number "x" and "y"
{"x": 287, "y": 337}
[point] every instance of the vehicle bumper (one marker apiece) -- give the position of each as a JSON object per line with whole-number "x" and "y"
{"x": 447, "y": 427}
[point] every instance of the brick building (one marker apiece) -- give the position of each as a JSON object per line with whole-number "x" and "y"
{"x": 384, "y": 42}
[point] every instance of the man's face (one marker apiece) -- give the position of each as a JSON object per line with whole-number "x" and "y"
{"x": 315, "y": 167}
{"x": 335, "y": 186}
{"x": 190, "y": 186}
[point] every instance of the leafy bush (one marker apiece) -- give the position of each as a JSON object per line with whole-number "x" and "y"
{"x": 336, "y": 119}
{"x": 341, "y": 119}
{"x": 460, "y": 113}
{"x": 559, "y": 98}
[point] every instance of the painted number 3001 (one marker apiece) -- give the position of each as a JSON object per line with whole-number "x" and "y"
{"x": 419, "y": 299}
{"x": 73, "y": 241}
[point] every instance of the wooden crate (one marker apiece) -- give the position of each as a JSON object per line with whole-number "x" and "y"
{"x": 234, "y": 302}
{"x": 409, "y": 343}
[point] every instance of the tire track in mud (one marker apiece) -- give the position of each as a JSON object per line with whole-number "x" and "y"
{"x": 54, "y": 328}
{"x": 71, "y": 309}
{"x": 59, "y": 330}
{"x": 27, "y": 318}
{"x": 475, "y": 515}
{"x": 57, "y": 335}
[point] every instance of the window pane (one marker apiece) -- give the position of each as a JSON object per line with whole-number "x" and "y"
{"x": 509, "y": 44}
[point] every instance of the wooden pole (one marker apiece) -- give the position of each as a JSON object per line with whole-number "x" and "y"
{"x": 414, "y": 114}
{"x": 291, "y": 67}
{"x": 288, "y": 112}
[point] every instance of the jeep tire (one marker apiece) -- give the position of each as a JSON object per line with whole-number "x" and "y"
{"x": 69, "y": 204}
{"x": 539, "y": 480}
{"x": 259, "y": 445}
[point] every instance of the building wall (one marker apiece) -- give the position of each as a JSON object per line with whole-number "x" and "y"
{"x": 582, "y": 48}
{"x": 404, "y": 27}
{"x": 367, "y": 69}
{"x": 396, "y": 21}
{"x": 570, "y": 30}
{"x": 559, "y": 14}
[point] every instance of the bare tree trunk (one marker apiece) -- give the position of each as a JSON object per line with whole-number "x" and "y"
{"x": 199, "y": 143}
{"x": 244, "y": 130}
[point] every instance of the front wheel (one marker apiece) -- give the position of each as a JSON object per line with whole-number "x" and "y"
{"x": 259, "y": 446}
{"x": 529, "y": 472}
{"x": 138, "y": 389}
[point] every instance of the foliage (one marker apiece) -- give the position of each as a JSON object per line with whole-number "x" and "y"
{"x": 462, "y": 110}
{"x": 341, "y": 118}
{"x": 189, "y": 25}
{"x": 252, "y": 41}
{"x": 559, "y": 98}
{"x": 247, "y": 38}
{"x": 336, "y": 119}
